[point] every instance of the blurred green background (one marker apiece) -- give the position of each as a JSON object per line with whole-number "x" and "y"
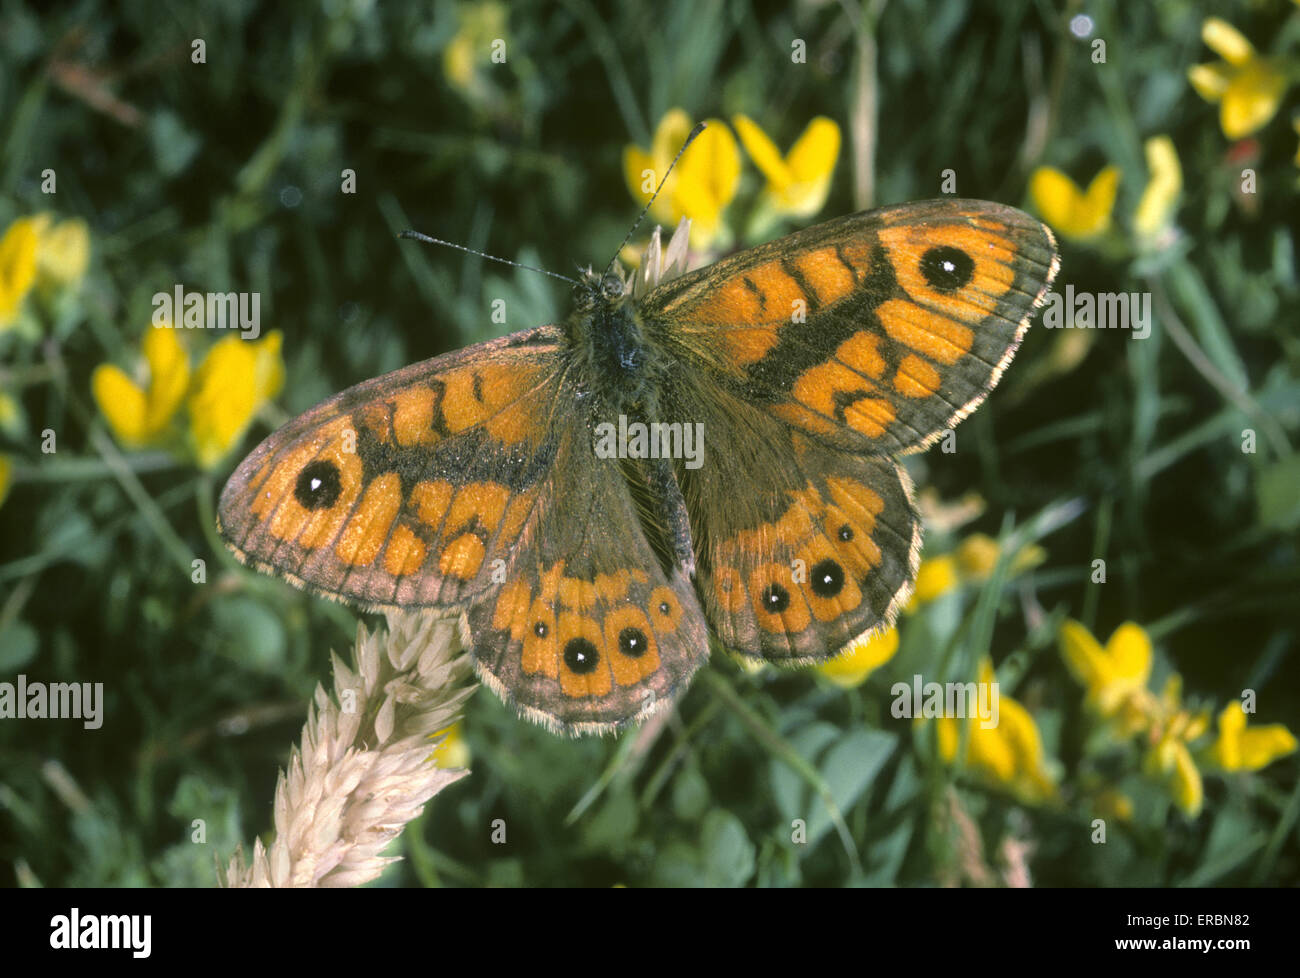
{"x": 225, "y": 175}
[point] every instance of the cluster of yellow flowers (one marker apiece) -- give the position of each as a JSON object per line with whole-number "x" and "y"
{"x": 1248, "y": 89}
{"x": 230, "y": 386}
{"x": 41, "y": 257}
{"x": 1115, "y": 679}
{"x": 707, "y": 176}
{"x": 1010, "y": 756}
{"x": 971, "y": 563}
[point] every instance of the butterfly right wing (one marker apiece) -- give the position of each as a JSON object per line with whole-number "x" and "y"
{"x": 873, "y": 333}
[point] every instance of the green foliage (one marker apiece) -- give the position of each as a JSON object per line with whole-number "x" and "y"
{"x": 226, "y": 175}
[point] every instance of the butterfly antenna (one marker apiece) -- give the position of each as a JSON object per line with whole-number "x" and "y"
{"x": 482, "y": 254}
{"x": 699, "y": 128}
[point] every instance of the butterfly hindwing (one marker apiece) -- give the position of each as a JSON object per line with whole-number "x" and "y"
{"x": 408, "y": 490}
{"x": 874, "y": 332}
{"x": 591, "y": 630}
{"x": 801, "y": 548}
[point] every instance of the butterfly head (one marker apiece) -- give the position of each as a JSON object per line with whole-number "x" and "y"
{"x": 600, "y": 291}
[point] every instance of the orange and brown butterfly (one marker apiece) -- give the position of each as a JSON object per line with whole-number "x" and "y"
{"x": 590, "y": 587}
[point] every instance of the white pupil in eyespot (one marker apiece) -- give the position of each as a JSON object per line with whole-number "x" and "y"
{"x": 949, "y": 267}
{"x": 315, "y": 484}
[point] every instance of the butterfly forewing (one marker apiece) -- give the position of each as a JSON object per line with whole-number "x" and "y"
{"x": 874, "y": 332}
{"x": 409, "y": 490}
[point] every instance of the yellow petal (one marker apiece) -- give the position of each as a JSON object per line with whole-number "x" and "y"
{"x": 1252, "y": 99}
{"x": 169, "y": 376}
{"x": 1226, "y": 41}
{"x": 977, "y": 555}
{"x": 121, "y": 402}
{"x": 1156, "y": 207}
{"x": 1242, "y": 748}
{"x": 859, "y": 660}
{"x": 763, "y": 152}
{"x": 1210, "y": 81}
{"x": 269, "y": 376}
{"x": 707, "y": 176}
{"x": 1261, "y": 746}
{"x": 669, "y": 136}
{"x": 1099, "y": 201}
{"x": 991, "y": 752}
{"x": 639, "y": 171}
{"x": 1185, "y": 784}
{"x": 936, "y": 576}
{"x": 1075, "y": 213}
{"x": 64, "y": 253}
{"x": 1129, "y": 651}
{"x": 1083, "y": 655}
{"x": 17, "y": 265}
{"x": 814, "y": 154}
{"x": 230, "y": 386}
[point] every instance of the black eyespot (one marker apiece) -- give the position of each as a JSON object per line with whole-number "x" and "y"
{"x": 775, "y": 598}
{"x": 946, "y": 268}
{"x": 318, "y": 485}
{"x": 663, "y": 608}
{"x": 580, "y": 656}
{"x": 540, "y": 629}
{"x": 632, "y": 643}
{"x": 846, "y": 533}
{"x": 827, "y": 578}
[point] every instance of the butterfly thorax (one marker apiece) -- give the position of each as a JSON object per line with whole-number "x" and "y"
{"x": 607, "y": 339}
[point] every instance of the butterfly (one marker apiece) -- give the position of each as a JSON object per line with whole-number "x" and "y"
{"x": 706, "y": 459}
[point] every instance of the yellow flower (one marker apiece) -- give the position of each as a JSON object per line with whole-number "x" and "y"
{"x": 17, "y": 266}
{"x": 140, "y": 414}
{"x": 1156, "y": 208}
{"x": 235, "y": 379}
{"x": 1115, "y": 677}
{"x": 1073, "y": 212}
{"x": 700, "y": 186}
{"x": 935, "y": 577}
{"x": 1171, "y": 760}
{"x": 977, "y": 555}
{"x": 1241, "y": 749}
{"x": 63, "y": 252}
{"x": 1247, "y": 87}
{"x": 797, "y": 184}
{"x": 6, "y": 477}
{"x": 481, "y": 26}
{"x": 453, "y": 751}
{"x": 860, "y": 659}
{"x": 1010, "y": 754}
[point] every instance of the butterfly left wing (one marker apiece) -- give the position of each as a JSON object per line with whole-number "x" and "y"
{"x": 409, "y": 490}
{"x": 874, "y": 332}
